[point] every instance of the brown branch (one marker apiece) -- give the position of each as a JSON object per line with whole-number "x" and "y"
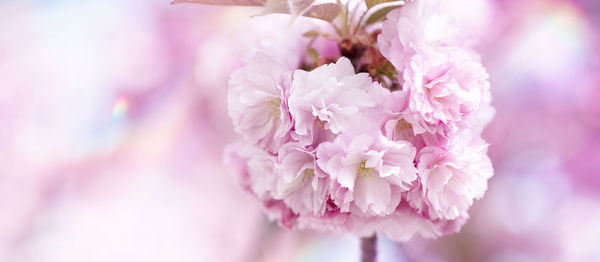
{"x": 368, "y": 249}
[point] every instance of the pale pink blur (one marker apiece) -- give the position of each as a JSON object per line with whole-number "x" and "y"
{"x": 113, "y": 122}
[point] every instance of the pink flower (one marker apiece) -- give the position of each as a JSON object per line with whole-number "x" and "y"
{"x": 405, "y": 223}
{"x": 418, "y": 27}
{"x": 371, "y": 172}
{"x": 445, "y": 89}
{"x": 445, "y": 82}
{"x": 255, "y": 171}
{"x": 257, "y": 102}
{"x": 253, "y": 168}
{"x": 331, "y": 150}
{"x": 401, "y": 225}
{"x": 400, "y": 124}
{"x": 302, "y": 186}
{"x": 323, "y": 100}
{"x": 451, "y": 179}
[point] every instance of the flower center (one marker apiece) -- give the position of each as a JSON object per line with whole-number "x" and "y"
{"x": 403, "y": 126}
{"x": 428, "y": 90}
{"x": 274, "y": 107}
{"x": 364, "y": 171}
{"x": 308, "y": 173}
{"x": 321, "y": 123}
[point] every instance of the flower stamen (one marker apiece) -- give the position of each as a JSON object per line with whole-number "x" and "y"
{"x": 364, "y": 171}
{"x": 403, "y": 126}
{"x": 274, "y": 107}
{"x": 308, "y": 173}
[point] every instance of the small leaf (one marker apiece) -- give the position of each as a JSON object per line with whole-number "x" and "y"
{"x": 327, "y": 11}
{"x": 312, "y": 53}
{"x": 292, "y": 7}
{"x": 298, "y": 7}
{"x": 332, "y": 37}
{"x": 311, "y": 33}
{"x": 377, "y": 14}
{"x": 371, "y": 3}
{"x": 222, "y": 2}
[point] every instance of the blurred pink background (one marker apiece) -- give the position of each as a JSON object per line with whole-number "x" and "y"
{"x": 113, "y": 121}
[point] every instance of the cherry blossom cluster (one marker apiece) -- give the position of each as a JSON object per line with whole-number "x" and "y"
{"x": 340, "y": 148}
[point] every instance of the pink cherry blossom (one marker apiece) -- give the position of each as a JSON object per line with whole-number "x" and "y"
{"x": 400, "y": 124}
{"x": 254, "y": 169}
{"x": 418, "y": 27}
{"x": 405, "y": 223}
{"x": 301, "y": 185}
{"x": 322, "y": 101}
{"x": 257, "y": 102}
{"x": 371, "y": 171}
{"x": 333, "y": 150}
{"x": 451, "y": 179}
{"x": 444, "y": 90}
{"x": 401, "y": 225}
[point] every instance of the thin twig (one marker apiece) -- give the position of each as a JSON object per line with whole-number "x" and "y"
{"x": 368, "y": 249}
